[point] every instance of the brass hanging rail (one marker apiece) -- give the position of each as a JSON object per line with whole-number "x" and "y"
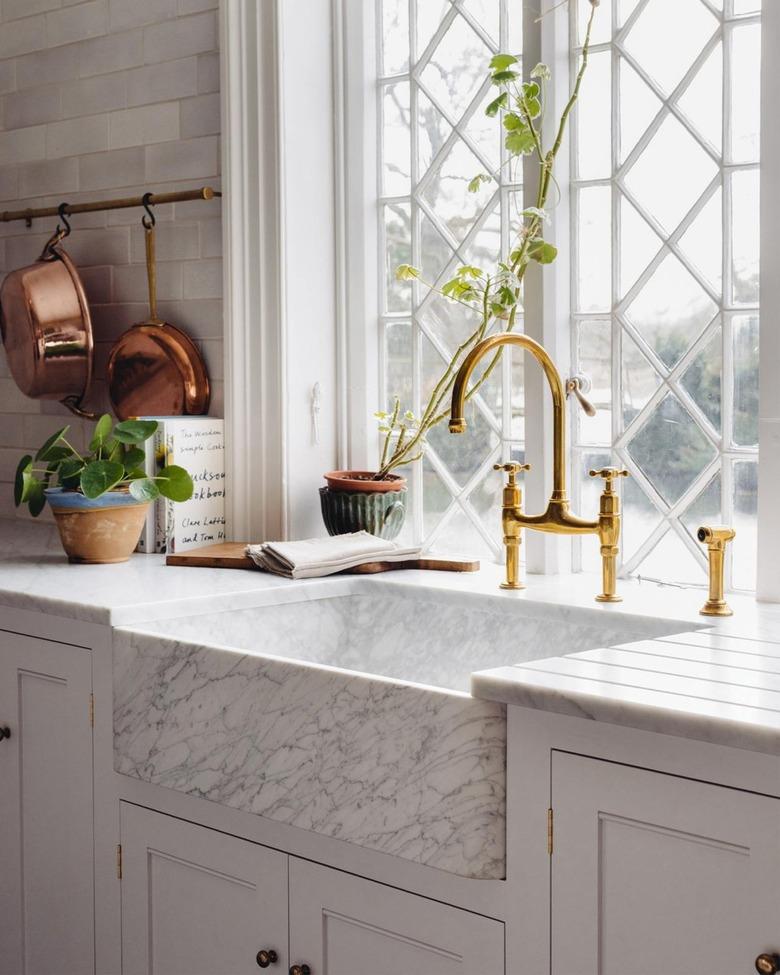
{"x": 154, "y": 199}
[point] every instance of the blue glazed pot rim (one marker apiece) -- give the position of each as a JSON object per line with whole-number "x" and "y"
{"x": 60, "y": 498}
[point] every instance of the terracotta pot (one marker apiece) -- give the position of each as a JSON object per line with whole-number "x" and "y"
{"x": 363, "y": 481}
{"x": 105, "y": 529}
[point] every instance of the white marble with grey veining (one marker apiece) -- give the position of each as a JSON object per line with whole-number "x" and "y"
{"x": 408, "y": 771}
{"x": 343, "y": 715}
{"x": 706, "y": 685}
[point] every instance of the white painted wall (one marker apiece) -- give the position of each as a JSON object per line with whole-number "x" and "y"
{"x": 110, "y": 98}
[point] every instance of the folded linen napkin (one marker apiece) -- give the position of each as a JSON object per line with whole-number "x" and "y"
{"x": 313, "y": 557}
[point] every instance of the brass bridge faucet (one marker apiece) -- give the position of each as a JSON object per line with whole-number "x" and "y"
{"x": 557, "y": 518}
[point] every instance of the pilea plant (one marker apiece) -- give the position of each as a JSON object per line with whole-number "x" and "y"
{"x": 114, "y": 461}
{"x": 492, "y": 296}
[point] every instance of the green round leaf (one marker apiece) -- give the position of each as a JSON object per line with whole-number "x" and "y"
{"x": 102, "y": 432}
{"x": 175, "y": 483}
{"x": 100, "y": 476}
{"x": 501, "y": 102}
{"x": 541, "y": 251}
{"x": 133, "y": 457}
{"x": 21, "y": 478}
{"x": 500, "y": 62}
{"x": 134, "y": 431}
{"x": 43, "y": 452}
{"x": 69, "y": 473}
{"x": 36, "y": 498}
{"x": 144, "y": 489}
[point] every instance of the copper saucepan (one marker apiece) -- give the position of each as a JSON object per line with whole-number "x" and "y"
{"x": 155, "y": 369}
{"x": 46, "y": 327}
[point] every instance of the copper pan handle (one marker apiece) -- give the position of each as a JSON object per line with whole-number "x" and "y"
{"x": 151, "y": 272}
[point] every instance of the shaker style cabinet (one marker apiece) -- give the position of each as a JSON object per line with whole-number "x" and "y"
{"x": 652, "y": 873}
{"x": 46, "y": 852}
{"x": 196, "y": 902}
{"x": 344, "y": 925}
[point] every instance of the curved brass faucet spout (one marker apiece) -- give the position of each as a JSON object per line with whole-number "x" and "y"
{"x": 458, "y": 423}
{"x": 556, "y": 518}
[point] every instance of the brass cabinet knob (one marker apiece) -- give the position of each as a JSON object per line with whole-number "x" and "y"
{"x": 300, "y": 970}
{"x": 768, "y": 964}
{"x": 266, "y": 957}
{"x": 5, "y": 732}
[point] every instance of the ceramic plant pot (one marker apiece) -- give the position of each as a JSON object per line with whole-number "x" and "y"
{"x": 354, "y": 502}
{"x": 105, "y": 529}
{"x": 363, "y": 482}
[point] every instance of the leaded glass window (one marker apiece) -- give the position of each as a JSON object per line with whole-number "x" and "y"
{"x": 434, "y": 136}
{"x": 665, "y": 218}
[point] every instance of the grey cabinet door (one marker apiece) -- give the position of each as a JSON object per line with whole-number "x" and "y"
{"x": 658, "y": 875}
{"x": 343, "y": 925}
{"x": 46, "y": 839}
{"x": 196, "y": 901}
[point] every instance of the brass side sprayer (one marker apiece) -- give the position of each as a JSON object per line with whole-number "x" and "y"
{"x": 716, "y": 538}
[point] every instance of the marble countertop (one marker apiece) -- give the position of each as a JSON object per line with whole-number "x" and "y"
{"x": 717, "y": 680}
{"x": 719, "y": 683}
{"x": 35, "y": 575}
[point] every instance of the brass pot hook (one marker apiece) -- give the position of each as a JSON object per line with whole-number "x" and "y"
{"x": 59, "y": 234}
{"x": 66, "y": 223}
{"x": 148, "y": 219}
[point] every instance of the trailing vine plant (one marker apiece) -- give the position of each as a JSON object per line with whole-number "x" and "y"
{"x": 492, "y": 296}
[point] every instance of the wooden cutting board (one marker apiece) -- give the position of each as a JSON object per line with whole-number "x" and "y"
{"x": 230, "y": 555}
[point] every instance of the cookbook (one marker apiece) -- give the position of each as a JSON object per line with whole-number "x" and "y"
{"x": 196, "y": 443}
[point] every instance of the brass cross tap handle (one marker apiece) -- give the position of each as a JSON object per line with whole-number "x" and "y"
{"x": 768, "y": 964}
{"x": 512, "y": 469}
{"x": 716, "y": 538}
{"x": 610, "y": 475}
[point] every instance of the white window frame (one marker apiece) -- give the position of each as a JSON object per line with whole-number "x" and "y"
{"x": 263, "y": 490}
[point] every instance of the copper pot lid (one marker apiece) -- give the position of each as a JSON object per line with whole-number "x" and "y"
{"x": 46, "y": 327}
{"x": 155, "y": 369}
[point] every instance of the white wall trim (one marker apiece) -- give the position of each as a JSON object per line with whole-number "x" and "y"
{"x": 281, "y": 256}
{"x": 253, "y": 270}
{"x": 357, "y": 229}
{"x": 768, "y": 587}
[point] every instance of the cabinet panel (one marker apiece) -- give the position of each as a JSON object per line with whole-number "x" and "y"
{"x": 653, "y": 873}
{"x": 344, "y": 925}
{"x": 196, "y": 901}
{"x": 46, "y": 850}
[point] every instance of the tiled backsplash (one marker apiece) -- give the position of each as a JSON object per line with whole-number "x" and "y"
{"x": 99, "y": 99}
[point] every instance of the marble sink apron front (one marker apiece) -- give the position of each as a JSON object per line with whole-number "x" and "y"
{"x": 349, "y": 715}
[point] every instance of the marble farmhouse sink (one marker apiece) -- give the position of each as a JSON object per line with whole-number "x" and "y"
{"x": 347, "y": 713}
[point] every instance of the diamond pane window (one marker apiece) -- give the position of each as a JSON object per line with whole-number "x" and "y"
{"x": 432, "y": 93}
{"x": 665, "y": 255}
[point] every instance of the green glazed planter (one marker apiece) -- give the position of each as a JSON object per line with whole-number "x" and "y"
{"x": 381, "y": 513}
